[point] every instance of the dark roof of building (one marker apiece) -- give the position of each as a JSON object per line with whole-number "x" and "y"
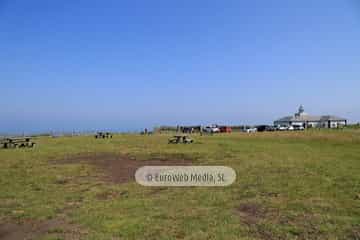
{"x": 310, "y": 118}
{"x": 331, "y": 118}
{"x": 301, "y": 116}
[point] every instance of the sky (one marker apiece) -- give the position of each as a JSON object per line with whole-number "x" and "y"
{"x": 126, "y": 65}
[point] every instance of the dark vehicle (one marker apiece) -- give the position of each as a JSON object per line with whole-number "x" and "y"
{"x": 103, "y": 135}
{"x": 267, "y": 128}
{"x": 271, "y": 128}
{"x": 298, "y": 128}
{"x": 262, "y": 128}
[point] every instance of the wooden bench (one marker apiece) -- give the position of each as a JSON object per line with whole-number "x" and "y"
{"x": 180, "y": 139}
{"x": 103, "y": 135}
{"x": 16, "y": 142}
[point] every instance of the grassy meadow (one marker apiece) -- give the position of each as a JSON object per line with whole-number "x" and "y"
{"x": 290, "y": 185}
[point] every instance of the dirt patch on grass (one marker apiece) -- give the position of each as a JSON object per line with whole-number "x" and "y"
{"x": 157, "y": 190}
{"x": 109, "y": 195}
{"x": 119, "y": 168}
{"x": 354, "y": 233}
{"x": 251, "y": 213}
{"x": 261, "y": 222}
{"x": 31, "y": 229}
{"x": 254, "y": 215}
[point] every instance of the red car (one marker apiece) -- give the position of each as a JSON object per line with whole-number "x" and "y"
{"x": 225, "y": 129}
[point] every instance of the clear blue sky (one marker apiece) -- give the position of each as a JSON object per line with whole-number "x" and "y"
{"x": 124, "y": 65}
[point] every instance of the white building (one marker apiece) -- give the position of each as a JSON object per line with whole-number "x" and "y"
{"x": 303, "y": 119}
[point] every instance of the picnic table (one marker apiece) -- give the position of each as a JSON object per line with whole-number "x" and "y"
{"x": 180, "y": 139}
{"x": 17, "y": 142}
{"x": 103, "y": 135}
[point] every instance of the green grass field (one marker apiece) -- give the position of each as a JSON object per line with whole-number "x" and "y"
{"x": 290, "y": 185}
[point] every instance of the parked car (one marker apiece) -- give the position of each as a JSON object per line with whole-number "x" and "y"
{"x": 298, "y": 128}
{"x": 250, "y": 130}
{"x": 225, "y": 129}
{"x": 211, "y": 129}
{"x": 281, "y": 128}
{"x": 262, "y": 128}
{"x": 290, "y": 128}
{"x": 271, "y": 128}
